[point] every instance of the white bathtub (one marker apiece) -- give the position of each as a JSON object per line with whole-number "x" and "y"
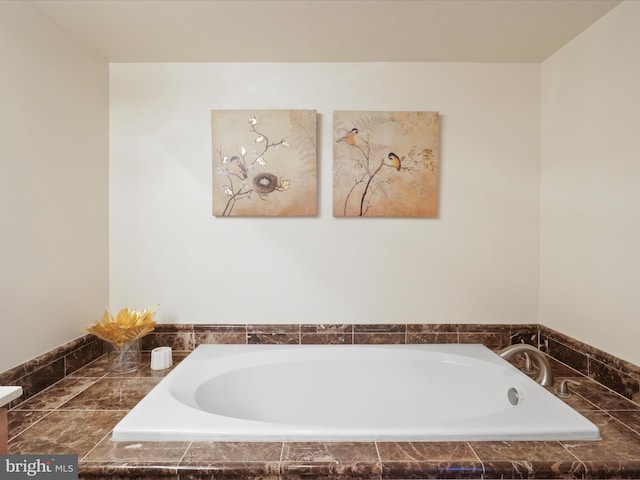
{"x": 349, "y": 393}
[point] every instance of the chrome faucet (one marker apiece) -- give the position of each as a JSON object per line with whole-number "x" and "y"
{"x": 545, "y": 376}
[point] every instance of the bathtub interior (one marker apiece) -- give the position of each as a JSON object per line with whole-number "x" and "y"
{"x": 350, "y": 393}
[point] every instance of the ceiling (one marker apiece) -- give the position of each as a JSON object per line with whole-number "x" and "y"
{"x": 324, "y": 30}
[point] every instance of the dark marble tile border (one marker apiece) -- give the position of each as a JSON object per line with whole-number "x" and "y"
{"x": 613, "y": 372}
{"x": 43, "y": 371}
{"x": 616, "y": 374}
{"x": 79, "y": 412}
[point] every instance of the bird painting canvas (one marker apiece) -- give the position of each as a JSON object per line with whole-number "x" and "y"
{"x": 385, "y": 164}
{"x": 264, "y": 163}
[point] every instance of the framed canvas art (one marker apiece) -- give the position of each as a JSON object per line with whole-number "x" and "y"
{"x": 385, "y": 164}
{"x": 264, "y": 163}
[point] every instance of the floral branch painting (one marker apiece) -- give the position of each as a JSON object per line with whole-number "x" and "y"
{"x": 385, "y": 164}
{"x": 264, "y": 163}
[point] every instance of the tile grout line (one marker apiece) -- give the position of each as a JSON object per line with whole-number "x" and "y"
{"x": 580, "y": 461}
{"x": 50, "y": 411}
{"x": 620, "y": 421}
{"x": 281, "y": 461}
{"x": 95, "y": 446}
{"x": 32, "y": 425}
{"x": 477, "y": 457}
{"x": 379, "y": 458}
{"x": 184, "y": 454}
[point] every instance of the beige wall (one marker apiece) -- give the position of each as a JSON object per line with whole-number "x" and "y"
{"x": 476, "y": 263}
{"x": 590, "y": 229}
{"x": 53, "y": 185}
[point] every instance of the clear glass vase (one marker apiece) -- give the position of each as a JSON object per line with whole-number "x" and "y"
{"x": 125, "y": 359}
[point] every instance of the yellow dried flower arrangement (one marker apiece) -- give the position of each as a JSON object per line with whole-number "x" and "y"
{"x": 129, "y": 325}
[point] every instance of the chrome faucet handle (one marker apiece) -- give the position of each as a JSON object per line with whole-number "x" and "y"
{"x": 528, "y": 367}
{"x": 545, "y": 375}
{"x": 563, "y": 388}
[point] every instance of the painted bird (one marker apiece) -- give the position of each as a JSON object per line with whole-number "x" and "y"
{"x": 350, "y": 137}
{"x": 395, "y": 161}
{"x": 236, "y": 168}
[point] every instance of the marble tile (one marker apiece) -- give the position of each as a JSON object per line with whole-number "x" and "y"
{"x": 562, "y": 370}
{"x": 235, "y": 472}
{"x": 42, "y": 378}
{"x": 567, "y": 355}
{"x": 101, "y": 471}
{"x": 43, "y": 371}
{"x": 525, "y": 334}
{"x": 95, "y": 369}
{"x": 180, "y": 341}
{"x": 174, "y": 328}
{"x": 136, "y": 453}
{"x": 602, "y": 397}
{"x": 379, "y": 338}
{"x": 432, "y": 333}
{"x": 425, "y": 451}
{"x": 273, "y": 334}
{"x": 343, "y": 471}
{"x": 522, "y": 451}
{"x": 432, "y": 337}
{"x": 100, "y": 400}
{"x": 274, "y": 338}
{"x": 221, "y": 328}
{"x": 56, "y": 395}
{"x": 111, "y": 394}
{"x": 575, "y": 400}
{"x": 498, "y": 328}
{"x": 615, "y": 379}
{"x": 408, "y": 460}
{"x": 324, "y": 328}
{"x": 462, "y": 469}
{"x": 85, "y": 354}
{"x": 323, "y": 460}
{"x": 593, "y": 353}
{"x": 432, "y": 328}
{"x": 326, "y": 334}
{"x": 329, "y": 452}
{"x": 71, "y": 346}
{"x": 285, "y": 328}
{"x": 500, "y": 469}
{"x": 379, "y": 328}
{"x": 631, "y": 418}
{"x": 615, "y": 362}
{"x": 206, "y": 337}
{"x": 99, "y": 368}
{"x": 612, "y": 470}
{"x": 65, "y": 432}
{"x": 229, "y": 452}
{"x": 232, "y": 459}
{"x": 51, "y": 356}
{"x": 144, "y": 369}
{"x": 619, "y": 444}
{"x": 568, "y": 350}
{"x": 219, "y": 334}
{"x": 527, "y": 459}
{"x": 494, "y": 341}
{"x": 326, "y": 338}
{"x": 21, "y": 420}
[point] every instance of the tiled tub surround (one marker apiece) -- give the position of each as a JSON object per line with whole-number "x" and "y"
{"x": 43, "y": 371}
{"x": 78, "y": 412}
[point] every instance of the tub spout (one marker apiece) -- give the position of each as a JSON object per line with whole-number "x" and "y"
{"x": 545, "y": 376}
